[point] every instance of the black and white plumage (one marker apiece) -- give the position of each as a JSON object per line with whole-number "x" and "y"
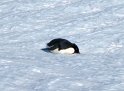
{"x": 63, "y": 46}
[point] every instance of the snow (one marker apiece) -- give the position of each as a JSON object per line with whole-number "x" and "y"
{"x": 96, "y": 26}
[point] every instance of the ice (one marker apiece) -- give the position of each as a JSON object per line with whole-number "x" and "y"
{"x": 96, "y": 26}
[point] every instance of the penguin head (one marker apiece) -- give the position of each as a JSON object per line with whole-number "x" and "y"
{"x": 76, "y": 49}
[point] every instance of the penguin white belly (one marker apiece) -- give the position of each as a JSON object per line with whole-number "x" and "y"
{"x": 64, "y": 51}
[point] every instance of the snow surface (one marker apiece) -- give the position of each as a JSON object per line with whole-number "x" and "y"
{"x": 96, "y": 26}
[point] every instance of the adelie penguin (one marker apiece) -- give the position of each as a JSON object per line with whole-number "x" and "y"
{"x": 63, "y": 46}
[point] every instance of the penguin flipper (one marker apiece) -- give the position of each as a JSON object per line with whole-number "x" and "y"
{"x": 46, "y": 49}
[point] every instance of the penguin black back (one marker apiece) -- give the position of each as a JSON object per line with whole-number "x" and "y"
{"x": 59, "y": 43}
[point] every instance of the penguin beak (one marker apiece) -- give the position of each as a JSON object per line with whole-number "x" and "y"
{"x": 78, "y": 53}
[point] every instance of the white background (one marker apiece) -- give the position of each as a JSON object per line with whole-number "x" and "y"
{"x": 96, "y": 26}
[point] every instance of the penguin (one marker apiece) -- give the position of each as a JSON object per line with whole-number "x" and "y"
{"x": 62, "y": 46}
